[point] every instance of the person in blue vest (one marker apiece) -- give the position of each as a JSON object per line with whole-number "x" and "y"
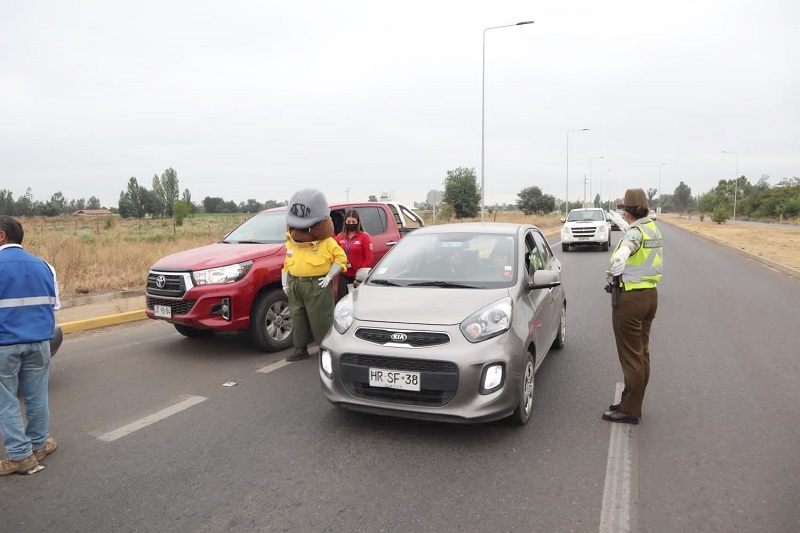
{"x": 28, "y": 299}
{"x": 638, "y": 260}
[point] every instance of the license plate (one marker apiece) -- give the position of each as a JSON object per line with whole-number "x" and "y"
{"x": 394, "y": 379}
{"x": 162, "y": 311}
{"x": 583, "y": 238}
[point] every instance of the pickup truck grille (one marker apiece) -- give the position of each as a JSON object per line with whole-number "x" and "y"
{"x": 413, "y": 338}
{"x": 173, "y": 285}
{"x": 438, "y": 379}
{"x": 584, "y": 231}
{"x": 181, "y": 307}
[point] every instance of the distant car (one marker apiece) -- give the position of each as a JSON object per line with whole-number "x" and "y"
{"x": 652, "y": 214}
{"x": 588, "y": 226}
{"x": 451, "y": 325}
{"x": 614, "y": 227}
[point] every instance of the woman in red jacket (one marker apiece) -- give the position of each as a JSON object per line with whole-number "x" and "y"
{"x": 357, "y": 244}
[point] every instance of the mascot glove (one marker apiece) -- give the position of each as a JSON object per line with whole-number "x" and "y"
{"x": 285, "y": 281}
{"x": 618, "y": 219}
{"x": 620, "y": 257}
{"x": 326, "y": 280}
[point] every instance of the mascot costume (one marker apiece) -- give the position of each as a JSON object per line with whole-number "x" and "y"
{"x": 313, "y": 259}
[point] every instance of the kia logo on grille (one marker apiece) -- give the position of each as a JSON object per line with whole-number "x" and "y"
{"x": 161, "y": 281}
{"x": 399, "y": 337}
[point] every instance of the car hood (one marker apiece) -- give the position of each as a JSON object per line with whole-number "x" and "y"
{"x": 215, "y": 255}
{"x": 420, "y": 305}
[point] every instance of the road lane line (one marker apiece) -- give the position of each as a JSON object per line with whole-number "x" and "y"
{"x": 151, "y": 419}
{"x": 274, "y": 366}
{"x": 621, "y": 491}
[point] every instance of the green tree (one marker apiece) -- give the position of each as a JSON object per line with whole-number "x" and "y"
{"x": 24, "y": 206}
{"x": 179, "y": 212}
{"x": 213, "y": 205}
{"x": 531, "y": 200}
{"x": 682, "y": 197}
{"x": 170, "y": 190}
{"x": 187, "y": 197}
{"x": 720, "y": 214}
{"x": 157, "y": 201}
{"x": 461, "y": 192}
{"x": 93, "y": 203}
{"x": 133, "y": 201}
{"x": 6, "y": 202}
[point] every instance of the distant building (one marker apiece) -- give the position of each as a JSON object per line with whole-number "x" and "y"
{"x": 92, "y": 213}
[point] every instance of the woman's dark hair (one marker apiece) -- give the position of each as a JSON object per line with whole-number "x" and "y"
{"x": 639, "y": 211}
{"x": 13, "y": 229}
{"x": 352, "y": 213}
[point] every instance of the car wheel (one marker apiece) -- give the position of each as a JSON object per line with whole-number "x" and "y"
{"x": 607, "y": 244}
{"x": 55, "y": 342}
{"x": 193, "y": 333}
{"x": 525, "y": 406}
{"x": 561, "y": 336}
{"x": 564, "y": 247}
{"x": 270, "y": 322}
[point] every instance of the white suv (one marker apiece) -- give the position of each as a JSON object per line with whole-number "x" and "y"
{"x": 586, "y": 226}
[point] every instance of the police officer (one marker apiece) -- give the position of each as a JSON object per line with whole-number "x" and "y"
{"x": 638, "y": 260}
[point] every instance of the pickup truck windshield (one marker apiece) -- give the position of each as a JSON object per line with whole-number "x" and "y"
{"x": 263, "y": 228}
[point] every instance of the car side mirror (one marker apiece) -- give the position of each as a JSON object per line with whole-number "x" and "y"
{"x": 544, "y": 279}
{"x": 563, "y": 220}
{"x": 362, "y": 274}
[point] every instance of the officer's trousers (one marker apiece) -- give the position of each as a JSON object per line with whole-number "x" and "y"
{"x": 632, "y": 319}
{"x": 311, "y": 309}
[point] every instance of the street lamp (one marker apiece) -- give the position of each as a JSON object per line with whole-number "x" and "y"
{"x": 600, "y": 186}
{"x": 566, "y": 200}
{"x": 483, "y": 105}
{"x": 659, "y": 187}
{"x": 735, "y": 182}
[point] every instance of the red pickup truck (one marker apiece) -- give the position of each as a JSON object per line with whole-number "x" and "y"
{"x": 235, "y": 284}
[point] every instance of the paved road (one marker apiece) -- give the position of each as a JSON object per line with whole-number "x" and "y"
{"x": 152, "y": 440}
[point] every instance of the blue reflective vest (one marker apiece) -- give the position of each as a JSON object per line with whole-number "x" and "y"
{"x": 27, "y": 297}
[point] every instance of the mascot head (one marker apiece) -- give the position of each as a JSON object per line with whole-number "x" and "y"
{"x": 309, "y": 217}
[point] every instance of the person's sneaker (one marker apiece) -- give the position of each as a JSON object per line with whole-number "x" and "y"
{"x": 49, "y": 447}
{"x": 299, "y": 353}
{"x": 29, "y": 465}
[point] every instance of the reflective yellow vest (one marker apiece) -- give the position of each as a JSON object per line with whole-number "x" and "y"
{"x": 644, "y": 268}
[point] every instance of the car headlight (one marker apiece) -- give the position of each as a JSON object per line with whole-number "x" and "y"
{"x": 488, "y": 322}
{"x": 343, "y": 314}
{"x": 226, "y": 274}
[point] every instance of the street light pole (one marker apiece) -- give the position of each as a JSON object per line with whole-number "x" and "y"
{"x": 483, "y": 106}
{"x": 659, "y": 186}
{"x": 735, "y": 182}
{"x": 566, "y": 198}
{"x": 600, "y": 186}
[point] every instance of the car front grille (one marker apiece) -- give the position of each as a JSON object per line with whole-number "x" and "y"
{"x": 416, "y": 339}
{"x": 174, "y": 285}
{"x": 438, "y": 379}
{"x": 181, "y": 307}
{"x": 584, "y": 231}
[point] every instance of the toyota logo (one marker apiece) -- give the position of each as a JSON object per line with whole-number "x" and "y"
{"x": 161, "y": 281}
{"x": 399, "y": 337}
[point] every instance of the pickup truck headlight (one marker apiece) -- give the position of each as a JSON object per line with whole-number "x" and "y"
{"x": 226, "y": 274}
{"x": 343, "y": 314}
{"x": 488, "y": 322}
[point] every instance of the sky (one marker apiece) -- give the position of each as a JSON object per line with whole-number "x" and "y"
{"x": 258, "y": 99}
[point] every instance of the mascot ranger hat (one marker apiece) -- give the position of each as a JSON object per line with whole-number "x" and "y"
{"x": 306, "y": 208}
{"x": 634, "y": 198}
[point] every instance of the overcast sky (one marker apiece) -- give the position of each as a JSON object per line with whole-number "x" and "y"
{"x": 257, "y": 99}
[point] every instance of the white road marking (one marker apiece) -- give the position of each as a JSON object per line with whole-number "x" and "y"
{"x": 151, "y": 419}
{"x": 274, "y": 366}
{"x": 620, "y": 493}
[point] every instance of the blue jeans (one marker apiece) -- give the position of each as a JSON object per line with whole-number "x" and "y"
{"x": 26, "y": 366}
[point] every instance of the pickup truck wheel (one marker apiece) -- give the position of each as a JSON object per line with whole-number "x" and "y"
{"x": 607, "y": 244}
{"x": 270, "y": 322}
{"x": 193, "y": 333}
{"x": 564, "y": 247}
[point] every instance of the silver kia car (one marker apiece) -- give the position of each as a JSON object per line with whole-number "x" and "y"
{"x": 451, "y": 325}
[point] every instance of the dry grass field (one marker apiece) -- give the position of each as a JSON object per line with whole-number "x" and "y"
{"x": 106, "y": 255}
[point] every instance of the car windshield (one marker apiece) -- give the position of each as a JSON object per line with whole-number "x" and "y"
{"x": 264, "y": 228}
{"x": 449, "y": 260}
{"x": 588, "y": 215}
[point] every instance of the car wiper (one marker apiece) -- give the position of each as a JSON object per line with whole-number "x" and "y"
{"x": 384, "y": 282}
{"x": 445, "y": 284}
{"x": 248, "y": 242}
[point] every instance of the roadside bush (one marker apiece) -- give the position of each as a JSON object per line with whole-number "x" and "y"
{"x": 721, "y": 214}
{"x": 702, "y": 216}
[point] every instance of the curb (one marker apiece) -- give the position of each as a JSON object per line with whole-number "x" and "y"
{"x": 109, "y": 320}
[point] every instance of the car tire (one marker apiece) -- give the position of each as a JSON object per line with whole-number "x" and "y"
{"x": 270, "y": 322}
{"x": 607, "y": 244}
{"x": 561, "y": 336}
{"x": 193, "y": 333}
{"x": 564, "y": 247}
{"x": 524, "y": 408}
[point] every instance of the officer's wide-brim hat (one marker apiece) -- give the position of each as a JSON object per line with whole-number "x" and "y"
{"x": 633, "y": 198}
{"x": 306, "y": 208}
